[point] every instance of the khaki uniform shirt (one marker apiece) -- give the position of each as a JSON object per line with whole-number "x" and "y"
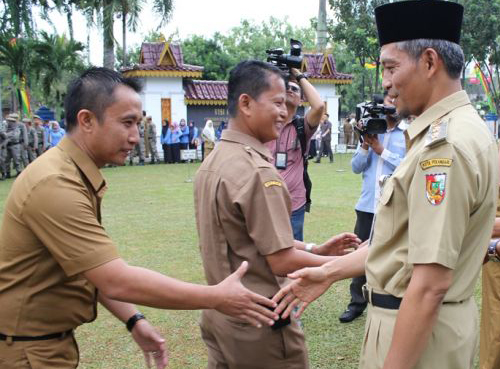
{"x": 242, "y": 212}
{"x": 50, "y": 234}
{"x": 439, "y": 205}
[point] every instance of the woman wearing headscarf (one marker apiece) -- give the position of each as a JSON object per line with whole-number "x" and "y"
{"x": 208, "y": 135}
{"x": 166, "y": 141}
{"x": 176, "y": 144}
{"x": 55, "y": 133}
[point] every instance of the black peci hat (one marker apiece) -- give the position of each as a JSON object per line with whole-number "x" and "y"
{"x": 410, "y": 20}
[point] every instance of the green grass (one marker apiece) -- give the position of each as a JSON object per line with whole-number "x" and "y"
{"x": 148, "y": 212}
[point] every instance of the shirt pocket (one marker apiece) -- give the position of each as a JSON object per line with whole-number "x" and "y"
{"x": 384, "y": 221}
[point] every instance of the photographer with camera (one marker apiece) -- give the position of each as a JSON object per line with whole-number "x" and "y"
{"x": 378, "y": 155}
{"x": 289, "y": 149}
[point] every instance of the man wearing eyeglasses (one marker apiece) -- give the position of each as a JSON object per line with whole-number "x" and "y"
{"x": 289, "y": 148}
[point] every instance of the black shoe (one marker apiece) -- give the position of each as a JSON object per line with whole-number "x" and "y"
{"x": 349, "y": 315}
{"x": 317, "y": 161}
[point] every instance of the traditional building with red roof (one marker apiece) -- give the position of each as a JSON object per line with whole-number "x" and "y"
{"x": 173, "y": 90}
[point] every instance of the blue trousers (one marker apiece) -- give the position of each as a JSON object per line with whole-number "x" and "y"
{"x": 297, "y": 220}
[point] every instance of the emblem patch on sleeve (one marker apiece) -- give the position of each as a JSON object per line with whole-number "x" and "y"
{"x": 272, "y": 183}
{"x": 435, "y": 185}
{"x": 426, "y": 164}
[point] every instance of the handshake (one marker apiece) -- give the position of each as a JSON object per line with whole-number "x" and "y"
{"x": 233, "y": 299}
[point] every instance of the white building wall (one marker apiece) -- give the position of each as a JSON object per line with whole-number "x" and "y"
{"x": 329, "y": 95}
{"x": 157, "y": 88}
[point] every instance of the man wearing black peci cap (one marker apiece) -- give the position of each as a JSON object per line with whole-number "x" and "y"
{"x": 436, "y": 211}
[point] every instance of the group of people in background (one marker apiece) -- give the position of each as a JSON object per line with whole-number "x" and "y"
{"x": 23, "y": 140}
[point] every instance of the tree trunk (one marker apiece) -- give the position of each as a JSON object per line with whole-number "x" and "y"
{"x": 377, "y": 72}
{"x": 321, "y": 31}
{"x": 69, "y": 18}
{"x": 107, "y": 33}
{"x": 124, "y": 35}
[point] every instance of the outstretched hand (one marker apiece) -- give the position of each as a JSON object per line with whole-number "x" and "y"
{"x": 238, "y": 301}
{"x": 339, "y": 245}
{"x": 309, "y": 284}
{"x": 151, "y": 343}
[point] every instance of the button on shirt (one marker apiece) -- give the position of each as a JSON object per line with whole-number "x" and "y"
{"x": 439, "y": 204}
{"x": 373, "y": 166}
{"x": 242, "y": 212}
{"x": 50, "y": 234}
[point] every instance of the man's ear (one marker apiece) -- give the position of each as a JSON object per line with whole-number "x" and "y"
{"x": 86, "y": 120}
{"x": 431, "y": 62}
{"x": 244, "y": 104}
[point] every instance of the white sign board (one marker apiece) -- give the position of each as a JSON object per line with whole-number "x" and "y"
{"x": 188, "y": 154}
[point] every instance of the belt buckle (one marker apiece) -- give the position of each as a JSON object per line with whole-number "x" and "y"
{"x": 366, "y": 294}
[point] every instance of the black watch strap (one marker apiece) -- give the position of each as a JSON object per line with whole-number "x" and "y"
{"x": 133, "y": 319}
{"x": 298, "y": 77}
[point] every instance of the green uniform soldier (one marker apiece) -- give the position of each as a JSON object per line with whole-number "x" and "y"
{"x": 3, "y": 149}
{"x": 56, "y": 260}
{"x": 243, "y": 213}
{"x": 139, "y": 147}
{"x": 40, "y": 132}
{"x": 150, "y": 139}
{"x": 30, "y": 152}
{"x": 24, "y": 142}
{"x": 436, "y": 212}
{"x": 15, "y": 137}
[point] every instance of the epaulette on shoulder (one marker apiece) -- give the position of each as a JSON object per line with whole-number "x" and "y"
{"x": 437, "y": 133}
{"x": 257, "y": 158}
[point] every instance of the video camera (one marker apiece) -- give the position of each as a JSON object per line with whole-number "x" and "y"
{"x": 370, "y": 115}
{"x": 286, "y": 61}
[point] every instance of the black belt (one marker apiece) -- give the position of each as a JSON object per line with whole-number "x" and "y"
{"x": 13, "y": 143}
{"x": 380, "y": 300}
{"x": 52, "y": 336}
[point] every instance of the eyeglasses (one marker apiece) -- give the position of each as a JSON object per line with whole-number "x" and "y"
{"x": 294, "y": 88}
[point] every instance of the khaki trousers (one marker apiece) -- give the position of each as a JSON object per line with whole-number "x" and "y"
{"x": 53, "y": 354}
{"x": 489, "y": 351}
{"x": 235, "y": 345}
{"x": 452, "y": 345}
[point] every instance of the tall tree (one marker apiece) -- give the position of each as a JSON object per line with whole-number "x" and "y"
{"x": 321, "y": 32}
{"x": 355, "y": 27}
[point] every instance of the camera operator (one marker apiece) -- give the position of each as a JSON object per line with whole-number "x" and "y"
{"x": 289, "y": 148}
{"x": 378, "y": 155}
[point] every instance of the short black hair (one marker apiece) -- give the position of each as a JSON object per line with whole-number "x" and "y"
{"x": 93, "y": 90}
{"x": 248, "y": 77}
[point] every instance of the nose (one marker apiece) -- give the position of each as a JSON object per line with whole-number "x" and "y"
{"x": 134, "y": 134}
{"x": 283, "y": 111}
{"x": 386, "y": 81}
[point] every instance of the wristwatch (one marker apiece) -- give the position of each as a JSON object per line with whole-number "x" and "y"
{"x": 309, "y": 247}
{"x": 298, "y": 77}
{"x": 133, "y": 319}
{"x": 492, "y": 251}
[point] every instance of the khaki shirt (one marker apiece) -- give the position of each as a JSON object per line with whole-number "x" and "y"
{"x": 439, "y": 204}
{"x": 50, "y": 234}
{"x": 242, "y": 212}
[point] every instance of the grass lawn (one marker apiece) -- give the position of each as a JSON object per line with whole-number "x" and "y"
{"x": 148, "y": 212}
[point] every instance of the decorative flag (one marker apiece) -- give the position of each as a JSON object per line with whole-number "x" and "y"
{"x": 484, "y": 82}
{"x": 370, "y": 65}
{"x": 24, "y": 98}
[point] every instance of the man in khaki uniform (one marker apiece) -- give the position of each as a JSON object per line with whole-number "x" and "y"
{"x": 489, "y": 349}
{"x": 40, "y": 132}
{"x": 150, "y": 139}
{"x": 30, "y": 153}
{"x": 436, "y": 211}
{"x": 55, "y": 255}
{"x": 243, "y": 213}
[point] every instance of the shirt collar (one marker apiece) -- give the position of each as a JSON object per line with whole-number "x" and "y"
{"x": 83, "y": 162}
{"x": 244, "y": 139}
{"x": 436, "y": 111}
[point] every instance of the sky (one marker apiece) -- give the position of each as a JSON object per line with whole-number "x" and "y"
{"x": 194, "y": 17}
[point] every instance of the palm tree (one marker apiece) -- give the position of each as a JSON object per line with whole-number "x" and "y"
{"x": 56, "y": 56}
{"x": 105, "y": 11}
